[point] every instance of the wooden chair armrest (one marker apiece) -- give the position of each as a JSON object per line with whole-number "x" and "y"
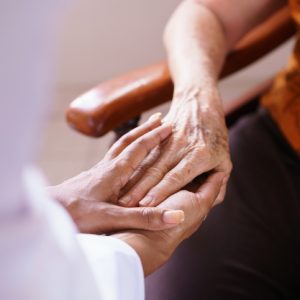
{"x": 116, "y": 101}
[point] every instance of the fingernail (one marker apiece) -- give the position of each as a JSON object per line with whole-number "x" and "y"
{"x": 166, "y": 131}
{"x": 155, "y": 117}
{"x": 146, "y": 201}
{"x": 173, "y": 216}
{"x": 125, "y": 201}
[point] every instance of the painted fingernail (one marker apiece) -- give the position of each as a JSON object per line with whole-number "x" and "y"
{"x": 146, "y": 201}
{"x": 125, "y": 201}
{"x": 155, "y": 117}
{"x": 173, "y": 216}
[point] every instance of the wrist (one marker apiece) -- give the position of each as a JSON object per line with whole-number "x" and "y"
{"x": 153, "y": 250}
{"x": 195, "y": 80}
{"x": 203, "y": 92}
{"x": 200, "y": 98}
{"x": 56, "y": 193}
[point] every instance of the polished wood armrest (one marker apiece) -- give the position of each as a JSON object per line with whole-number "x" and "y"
{"x": 116, "y": 101}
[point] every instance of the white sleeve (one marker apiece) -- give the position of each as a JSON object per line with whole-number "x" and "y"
{"x": 115, "y": 262}
{"x": 41, "y": 258}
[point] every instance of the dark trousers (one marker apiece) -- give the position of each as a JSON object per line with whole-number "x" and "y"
{"x": 249, "y": 246}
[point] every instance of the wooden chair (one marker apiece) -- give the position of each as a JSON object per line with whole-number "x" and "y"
{"x": 117, "y": 104}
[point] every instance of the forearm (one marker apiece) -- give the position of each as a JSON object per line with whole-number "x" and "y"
{"x": 199, "y": 35}
{"x": 196, "y": 47}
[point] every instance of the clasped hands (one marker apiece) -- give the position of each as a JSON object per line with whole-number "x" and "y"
{"x": 129, "y": 196}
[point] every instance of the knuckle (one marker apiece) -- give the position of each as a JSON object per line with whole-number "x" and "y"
{"x": 136, "y": 196}
{"x": 122, "y": 169}
{"x": 122, "y": 164}
{"x": 125, "y": 139}
{"x": 155, "y": 173}
{"x": 147, "y": 215}
{"x": 142, "y": 144}
{"x": 200, "y": 153}
{"x": 200, "y": 204}
{"x": 200, "y": 148}
{"x": 174, "y": 178}
{"x": 141, "y": 169}
{"x": 150, "y": 217}
{"x": 118, "y": 184}
{"x": 188, "y": 169}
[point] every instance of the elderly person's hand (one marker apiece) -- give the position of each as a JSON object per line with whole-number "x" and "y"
{"x": 156, "y": 247}
{"x": 90, "y": 197}
{"x": 195, "y": 53}
{"x": 198, "y": 145}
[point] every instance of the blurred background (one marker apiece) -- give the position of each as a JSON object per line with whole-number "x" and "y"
{"x": 100, "y": 39}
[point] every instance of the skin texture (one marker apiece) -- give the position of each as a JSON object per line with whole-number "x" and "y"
{"x": 154, "y": 232}
{"x": 91, "y": 196}
{"x": 156, "y": 247}
{"x": 199, "y": 142}
{"x": 197, "y": 38}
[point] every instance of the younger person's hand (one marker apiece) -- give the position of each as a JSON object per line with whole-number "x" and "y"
{"x": 156, "y": 247}
{"x": 90, "y": 197}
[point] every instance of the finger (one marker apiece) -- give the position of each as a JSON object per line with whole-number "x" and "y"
{"x": 129, "y": 160}
{"x": 94, "y": 217}
{"x": 140, "y": 171}
{"x": 153, "y": 122}
{"x": 150, "y": 178}
{"x": 221, "y": 195}
{"x": 209, "y": 191}
{"x": 222, "y": 192}
{"x": 151, "y": 218}
{"x": 173, "y": 181}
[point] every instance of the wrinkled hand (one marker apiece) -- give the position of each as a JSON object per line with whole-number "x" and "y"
{"x": 198, "y": 145}
{"x": 156, "y": 247}
{"x": 90, "y": 197}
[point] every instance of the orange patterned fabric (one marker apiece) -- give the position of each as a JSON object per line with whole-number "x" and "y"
{"x": 283, "y": 100}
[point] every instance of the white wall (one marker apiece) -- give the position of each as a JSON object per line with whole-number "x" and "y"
{"x": 103, "y": 38}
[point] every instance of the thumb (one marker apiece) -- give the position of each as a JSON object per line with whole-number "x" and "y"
{"x": 95, "y": 217}
{"x": 152, "y": 218}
